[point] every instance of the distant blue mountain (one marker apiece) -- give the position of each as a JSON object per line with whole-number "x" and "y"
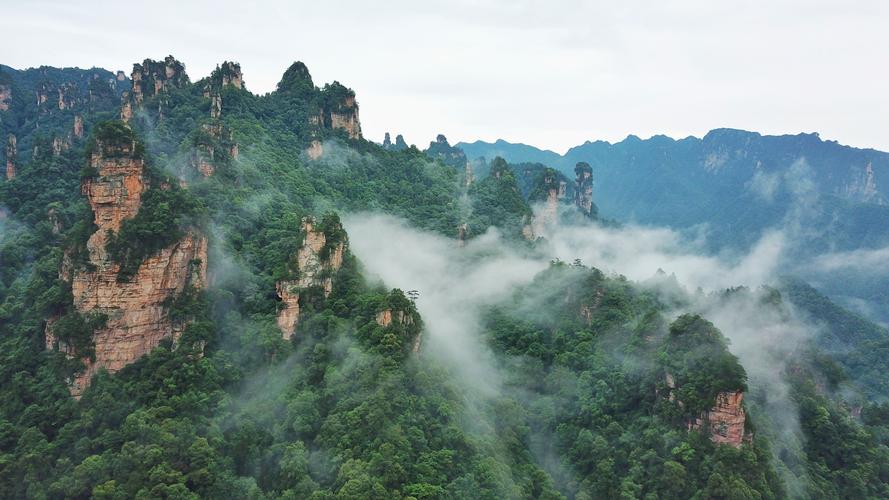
{"x": 827, "y": 197}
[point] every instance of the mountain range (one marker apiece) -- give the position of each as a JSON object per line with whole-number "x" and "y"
{"x": 211, "y": 293}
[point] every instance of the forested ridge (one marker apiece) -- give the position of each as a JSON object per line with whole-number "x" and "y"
{"x": 282, "y": 369}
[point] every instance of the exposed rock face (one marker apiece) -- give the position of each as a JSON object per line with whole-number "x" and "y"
{"x": 11, "y": 153}
{"x": 583, "y": 192}
{"x": 126, "y": 107}
{"x": 62, "y": 97}
{"x": 228, "y": 73}
{"x": 152, "y": 78}
{"x": 387, "y": 317}
{"x": 116, "y": 193}
{"x": 77, "y": 130}
{"x": 468, "y": 175}
{"x": 67, "y": 96}
{"x": 316, "y": 262}
{"x": 137, "y": 316}
{"x": 215, "y": 106}
{"x": 207, "y": 155}
{"x": 725, "y": 421}
{"x": 462, "y": 229}
{"x": 346, "y": 118}
{"x": 315, "y": 150}
{"x": 339, "y": 111}
{"x": 863, "y": 186}
{"x": 548, "y": 216}
{"x": 5, "y": 97}
{"x": 60, "y": 144}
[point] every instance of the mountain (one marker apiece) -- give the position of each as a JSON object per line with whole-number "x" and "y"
{"x": 513, "y": 153}
{"x": 735, "y": 185}
{"x": 210, "y": 293}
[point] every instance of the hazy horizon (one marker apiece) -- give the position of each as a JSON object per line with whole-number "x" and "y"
{"x": 527, "y": 72}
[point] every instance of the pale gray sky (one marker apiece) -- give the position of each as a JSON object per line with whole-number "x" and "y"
{"x": 552, "y": 74}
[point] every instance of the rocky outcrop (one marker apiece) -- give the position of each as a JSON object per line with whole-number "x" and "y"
{"x": 77, "y": 129}
{"x": 5, "y": 97}
{"x": 317, "y": 259}
{"x": 61, "y": 97}
{"x": 725, "y": 421}
{"x": 399, "y": 144}
{"x": 468, "y": 175}
{"x": 440, "y": 149}
{"x": 462, "y": 230}
{"x": 126, "y": 107}
{"x": 345, "y": 117}
{"x": 388, "y": 317}
{"x": 60, "y": 144}
{"x": 136, "y": 309}
{"x": 338, "y": 110}
{"x": 215, "y": 106}
{"x": 67, "y": 96}
{"x": 863, "y": 186}
{"x": 151, "y": 79}
{"x": 155, "y": 77}
{"x": 228, "y": 73}
{"x": 315, "y": 150}
{"x": 583, "y": 191}
{"x": 11, "y": 154}
{"x": 214, "y": 146}
{"x": 548, "y": 214}
{"x": 115, "y": 193}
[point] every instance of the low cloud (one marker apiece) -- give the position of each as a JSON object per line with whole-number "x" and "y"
{"x": 455, "y": 284}
{"x": 861, "y": 260}
{"x": 764, "y": 185}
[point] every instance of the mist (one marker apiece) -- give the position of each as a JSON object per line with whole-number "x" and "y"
{"x": 456, "y": 283}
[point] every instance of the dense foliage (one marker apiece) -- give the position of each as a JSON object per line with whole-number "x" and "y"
{"x": 346, "y": 409}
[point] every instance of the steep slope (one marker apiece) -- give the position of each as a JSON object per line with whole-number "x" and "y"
{"x": 135, "y": 307}
{"x": 195, "y": 253}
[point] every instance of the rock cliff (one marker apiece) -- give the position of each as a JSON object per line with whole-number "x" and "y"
{"x": 77, "y": 130}
{"x": 150, "y": 79}
{"x": 862, "y": 186}
{"x": 317, "y": 259}
{"x": 583, "y": 191}
{"x": 137, "y": 316}
{"x": 548, "y": 214}
{"x": 228, "y": 73}
{"x": 390, "y": 316}
{"x": 725, "y": 421}
{"x": 11, "y": 153}
{"x": 345, "y": 117}
{"x": 338, "y": 111}
{"x": 214, "y": 146}
{"x": 155, "y": 77}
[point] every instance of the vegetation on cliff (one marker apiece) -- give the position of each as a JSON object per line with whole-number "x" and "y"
{"x": 347, "y": 408}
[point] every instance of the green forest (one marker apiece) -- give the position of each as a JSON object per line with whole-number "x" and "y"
{"x": 607, "y": 390}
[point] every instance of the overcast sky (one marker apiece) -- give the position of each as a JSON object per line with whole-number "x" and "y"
{"x": 552, "y": 74}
